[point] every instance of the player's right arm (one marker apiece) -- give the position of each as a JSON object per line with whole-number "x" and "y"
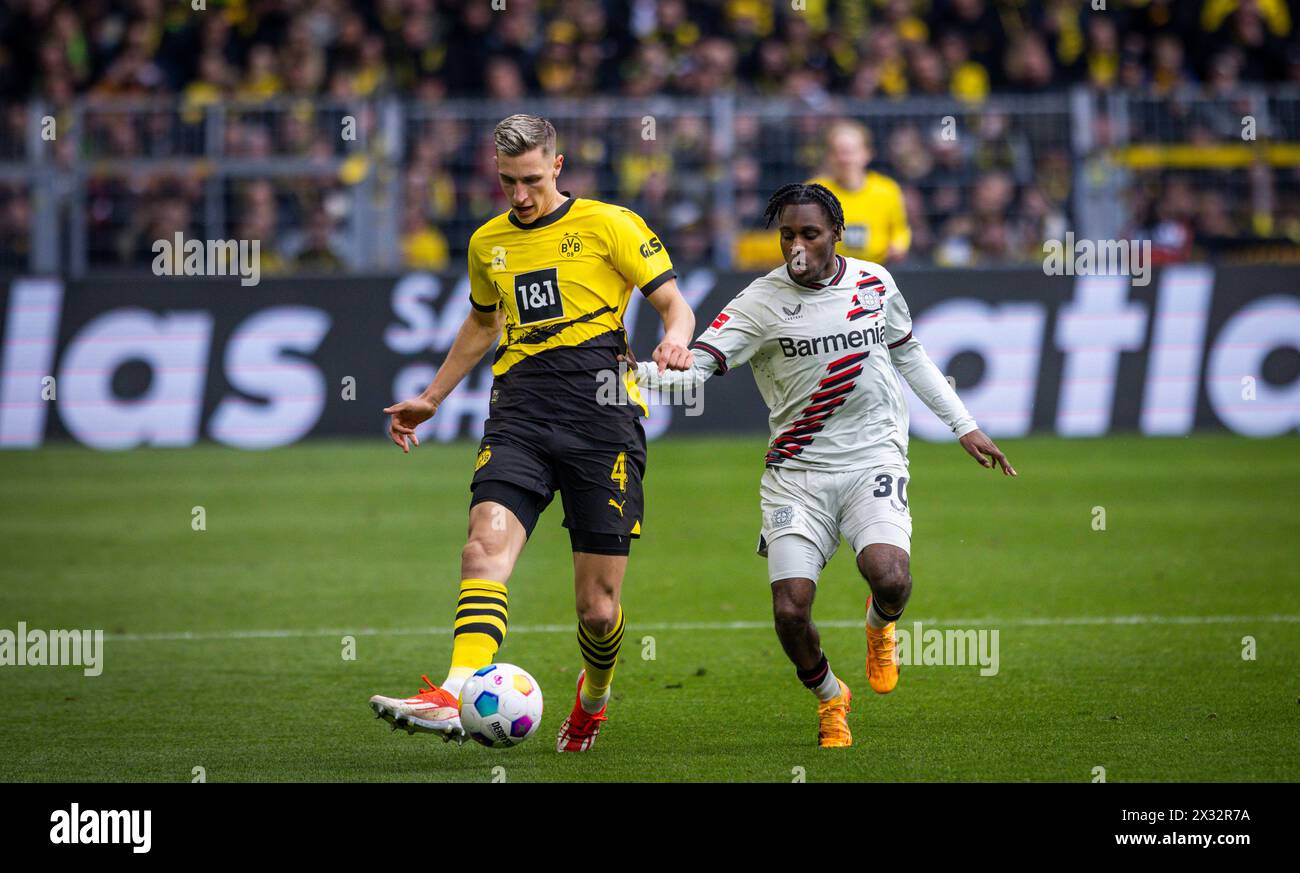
{"x": 730, "y": 340}
{"x": 479, "y": 332}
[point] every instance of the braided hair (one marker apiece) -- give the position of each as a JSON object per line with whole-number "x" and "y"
{"x": 796, "y": 193}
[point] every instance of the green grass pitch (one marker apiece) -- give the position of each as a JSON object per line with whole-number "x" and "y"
{"x": 311, "y": 542}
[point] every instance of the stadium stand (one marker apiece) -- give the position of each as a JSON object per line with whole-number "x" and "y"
{"x": 1004, "y": 122}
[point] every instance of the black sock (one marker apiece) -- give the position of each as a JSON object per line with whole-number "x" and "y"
{"x": 812, "y": 678}
{"x": 884, "y": 617}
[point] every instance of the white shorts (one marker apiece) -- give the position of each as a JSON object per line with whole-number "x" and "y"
{"x": 865, "y": 506}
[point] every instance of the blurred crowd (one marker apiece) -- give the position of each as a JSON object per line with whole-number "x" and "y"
{"x": 989, "y": 195}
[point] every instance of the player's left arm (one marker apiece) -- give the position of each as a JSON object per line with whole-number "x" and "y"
{"x": 643, "y": 260}
{"x": 910, "y": 359}
{"x": 679, "y": 325}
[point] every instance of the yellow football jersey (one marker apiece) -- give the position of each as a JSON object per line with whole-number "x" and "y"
{"x": 874, "y": 218}
{"x": 564, "y": 281}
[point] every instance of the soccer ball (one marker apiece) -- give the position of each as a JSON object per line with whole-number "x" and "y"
{"x": 500, "y": 705}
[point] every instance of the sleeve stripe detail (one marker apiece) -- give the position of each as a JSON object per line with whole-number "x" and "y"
{"x": 900, "y": 342}
{"x": 717, "y": 356}
{"x": 481, "y": 308}
{"x": 653, "y": 285}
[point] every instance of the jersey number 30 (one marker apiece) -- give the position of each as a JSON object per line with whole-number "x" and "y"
{"x": 885, "y": 488}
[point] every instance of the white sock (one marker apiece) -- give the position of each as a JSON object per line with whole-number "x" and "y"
{"x": 453, "y": 683}
{"x": 830, "y": 687}
{"x": 874, "y": 618}
{"x": 592, "y": 705}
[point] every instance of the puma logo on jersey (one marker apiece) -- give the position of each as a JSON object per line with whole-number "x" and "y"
{"x": 617, "y": 505}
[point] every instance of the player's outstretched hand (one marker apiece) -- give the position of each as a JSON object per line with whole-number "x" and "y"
{"x": 672, "y": 355}
{"x": 405, "y": 416}
{"x": 977, "y": 444}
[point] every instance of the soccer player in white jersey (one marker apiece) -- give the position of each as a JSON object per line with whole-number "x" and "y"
{"x": 825, "y": 335}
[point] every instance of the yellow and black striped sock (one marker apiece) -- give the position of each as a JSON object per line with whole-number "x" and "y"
{"x": 599, "y": 655}
{"x": 481, "y": 619}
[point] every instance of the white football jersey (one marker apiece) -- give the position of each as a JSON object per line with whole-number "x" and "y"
{"x": 821, "y": 359}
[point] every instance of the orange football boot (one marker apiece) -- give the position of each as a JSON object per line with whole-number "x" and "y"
{"x": 882, "y": 657}
{"x": 432, "y": 710}
{"x": 833, "y": 720}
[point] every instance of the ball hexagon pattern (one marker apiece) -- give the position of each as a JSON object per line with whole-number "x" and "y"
{"x": 500, "y": 706}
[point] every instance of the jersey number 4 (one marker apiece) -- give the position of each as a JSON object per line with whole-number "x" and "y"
{"x": 619, "y": 473}
{"x": 537, "y": 296}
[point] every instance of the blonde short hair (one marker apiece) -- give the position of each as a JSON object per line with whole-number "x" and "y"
{"x": 518, "y": 134}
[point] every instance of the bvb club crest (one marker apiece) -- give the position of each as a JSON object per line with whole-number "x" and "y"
{"x": 570, "y": 246}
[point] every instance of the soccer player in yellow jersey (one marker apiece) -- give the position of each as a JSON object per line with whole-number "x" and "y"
{"x": 549, "y": 282}
{"x": 875, "y": 227}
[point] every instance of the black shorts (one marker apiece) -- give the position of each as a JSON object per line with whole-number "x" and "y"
{"x": 596, "y": 466}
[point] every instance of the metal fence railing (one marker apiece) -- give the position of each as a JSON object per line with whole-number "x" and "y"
{"x": 384, "y": 185}
{"x": 1199, "y": 174}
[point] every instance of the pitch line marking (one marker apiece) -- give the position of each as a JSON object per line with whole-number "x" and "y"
{"x": 291, "y": 633}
